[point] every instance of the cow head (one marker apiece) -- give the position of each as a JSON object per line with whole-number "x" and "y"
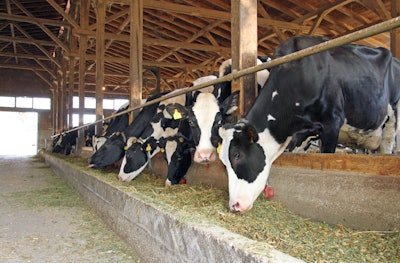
{"x": 205, "y": 117}
{"x": 137, "y": 156}
{"x": 247, "y": 155}
{"x": 140, "y": 151}
{"x": 110, "y": 152}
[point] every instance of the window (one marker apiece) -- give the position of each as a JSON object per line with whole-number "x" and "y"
{"x": 119, "y": 102}
{"x": 75, "y": 102}
{"x": 90, "y": 103}
{"x": 24, "y": 102}
{"x": 108, "y": 104}
{"x": 7, "y": 101}
{"x": 87, "y": 118}
{"x": 42, "y": 103}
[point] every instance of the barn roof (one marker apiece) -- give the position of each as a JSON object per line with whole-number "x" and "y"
{"x": 182, "y": 39}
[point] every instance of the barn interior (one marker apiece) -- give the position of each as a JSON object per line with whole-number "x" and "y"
{"x": 79, "y": 53}
{"x": 68, "y": 63}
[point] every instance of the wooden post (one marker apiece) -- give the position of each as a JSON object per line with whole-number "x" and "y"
{"x": 64, "y": 97}
{"x": 84, "y": 20}
{"x": 395, "y": 48}
{"x": 100, "y": 29}
{"x": 55, "y": 108}
{"x": 71, "y": 78}
{"x": 71, "y": 90}
{"x": 136, "y": 53}
{"x": 244, "y": 49}
{"x": 60, "y": 110}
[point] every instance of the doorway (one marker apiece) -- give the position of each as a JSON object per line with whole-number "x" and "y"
{"x": 19, "y": 133}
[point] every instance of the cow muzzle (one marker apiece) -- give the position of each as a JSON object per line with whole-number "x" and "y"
{"x": 239, "y": 206}
{"x": 205, "y": 156}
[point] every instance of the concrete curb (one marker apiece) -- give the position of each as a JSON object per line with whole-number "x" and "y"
{"x": 159, "y": 235}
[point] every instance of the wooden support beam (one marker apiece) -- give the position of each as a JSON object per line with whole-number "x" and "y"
{"x": 55, "y": 108}
{"x": 64, "y": 92}
{"x": 100, "y": 50}
{"x": 244, "y": 49}
{"x": 35, "y": 20}
{"x": 43, "y": 27}
{"x": 84, "y": 20}
{"x": 70, "y": 89}
{"x": 136, "y": 53}
{"x": 62, "y": 12}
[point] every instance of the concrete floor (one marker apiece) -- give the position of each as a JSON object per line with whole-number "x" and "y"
{"x": 43, "y": 220}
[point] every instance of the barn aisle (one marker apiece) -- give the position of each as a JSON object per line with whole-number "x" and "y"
{"x": 43, "y": 220}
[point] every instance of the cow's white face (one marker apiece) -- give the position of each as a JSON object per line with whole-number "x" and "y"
{"x": 247, "y": 156}
{"x": 204, "y": 111}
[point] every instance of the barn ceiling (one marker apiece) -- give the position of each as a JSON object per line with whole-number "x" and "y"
{"x": 182, "y": 39}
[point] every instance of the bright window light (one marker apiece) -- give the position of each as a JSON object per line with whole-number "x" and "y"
{"x": 119, "y": 102}
{"x": 90, "y": 103}
{"x": 24, "y": 102}
{"x": 42, "y": 103}
{"x": 75, "y": 102}
{"x": 108, "y": 104}
{"x": 88, "y": 118}
{"x": 7, "y": 101}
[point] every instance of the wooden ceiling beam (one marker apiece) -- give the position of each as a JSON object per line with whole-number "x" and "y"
{"x": 33, "y": 20}
{"x": 43, "y": 27}
{"x": 62, "y": 12}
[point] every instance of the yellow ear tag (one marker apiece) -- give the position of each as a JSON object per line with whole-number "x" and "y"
{"x": 148, "y": 148}
{"x": 177, "y": 115}
{"x": 162, "y": 150}
{"x": 219, "y": 148}
{"x": 126, "y": 148}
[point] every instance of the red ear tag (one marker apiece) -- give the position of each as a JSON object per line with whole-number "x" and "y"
{"x": 268, "y": 192}
{"x": 183, "y": 181}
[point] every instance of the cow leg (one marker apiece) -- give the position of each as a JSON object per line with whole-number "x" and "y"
{"x": 388, "y": 133}
{"x": 330, "y": 133}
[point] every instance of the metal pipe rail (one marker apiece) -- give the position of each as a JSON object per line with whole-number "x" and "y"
{"x": 360, "y": 34}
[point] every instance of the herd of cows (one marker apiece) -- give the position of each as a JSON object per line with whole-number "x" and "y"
{"x": 348, "y": 95}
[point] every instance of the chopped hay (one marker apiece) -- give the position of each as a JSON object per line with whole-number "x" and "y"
{"x": 268, "y": 221}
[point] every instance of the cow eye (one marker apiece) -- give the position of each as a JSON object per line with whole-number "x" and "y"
{"x": 191, "y": 123}
{"x": 237, "y": 156}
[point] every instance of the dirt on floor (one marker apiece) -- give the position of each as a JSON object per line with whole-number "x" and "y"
{"x": 43, "y": 220}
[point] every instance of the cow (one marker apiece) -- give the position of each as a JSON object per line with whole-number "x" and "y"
{"x": 139, "y": 151}
{"x": 65, "y": 142}
{"x": 262, "y": 75}
{"x": 116, "y": 124}
{"x": 177, "y": 151}
{"x": 352, "y": 87}
{"x": 163, "y": 124}
{"x": 113, "y": 149}
{"x": 210, "y": 111}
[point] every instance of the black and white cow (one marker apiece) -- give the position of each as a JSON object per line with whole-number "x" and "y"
{"x": 65, "y": 142}
{"x": 353, "y": 86}
{"x": 177, "y": 151}
{"x": 141, "y": 148}
{"x": 139, "y": 154}
{"x": 113, "y": 149}
{"x": 116, "y": 124}
{"x": 210, "y": 111}
{"x": 262, "y": 75}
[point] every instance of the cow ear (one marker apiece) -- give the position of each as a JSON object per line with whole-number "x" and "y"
{"x": 251, "y": 133}
{"x": 230, "y": 104}
{"x": 177, "y": 111}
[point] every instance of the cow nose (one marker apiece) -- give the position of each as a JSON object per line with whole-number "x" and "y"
{"x": 206, "y": 156}
{"x": 239, "y": 207}
{"x": 235, "y": 207}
